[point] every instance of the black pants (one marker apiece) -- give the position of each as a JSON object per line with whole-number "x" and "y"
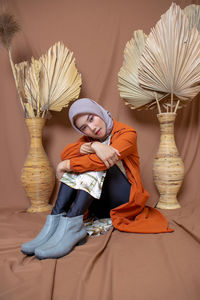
{"x": 115, "y": 192}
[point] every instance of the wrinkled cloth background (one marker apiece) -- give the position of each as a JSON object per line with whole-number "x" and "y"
{"x": 115, "y": 265}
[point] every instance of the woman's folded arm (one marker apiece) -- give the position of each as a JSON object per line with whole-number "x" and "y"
{"x": 125, "y": 142}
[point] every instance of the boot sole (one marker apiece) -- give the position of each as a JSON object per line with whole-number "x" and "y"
{"x": 82, "y": 242}
{"x": 28, "y": 253}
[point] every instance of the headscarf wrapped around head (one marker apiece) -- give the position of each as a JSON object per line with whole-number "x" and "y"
{"x": 86, "y": 105}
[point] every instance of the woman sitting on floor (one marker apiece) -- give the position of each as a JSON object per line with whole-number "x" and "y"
{"x": 99, "y": 172}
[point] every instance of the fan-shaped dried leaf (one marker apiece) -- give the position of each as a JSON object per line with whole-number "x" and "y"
{"x": 51, "y": 82}
{"x": 128, "y": 84}
{"x": 193, "y": 13}
{"x": 170, "y": 62}
{"x": 60, "y": 81}
{"x": 27, "y": 82}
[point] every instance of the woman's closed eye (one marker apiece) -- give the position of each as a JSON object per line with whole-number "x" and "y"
{"x": 83, "y": 128}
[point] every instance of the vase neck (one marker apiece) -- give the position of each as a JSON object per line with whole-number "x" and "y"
{"x": 167, "y": 146}
{"x": 167, "y": 122}
{"x": 35, "y": 127}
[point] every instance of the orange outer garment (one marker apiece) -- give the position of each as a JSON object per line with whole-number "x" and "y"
{"x": 132, "y": 216}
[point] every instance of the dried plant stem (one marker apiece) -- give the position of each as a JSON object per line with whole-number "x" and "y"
{"x": 177, "y": 104}
{"x": 37, "y": 67}
{"x": 43, "y": 114}
{"x": 158, "y": 104}
{"x": 171, "y": 105}
{"x": 38, "y": 104}
{"x": 166, "y": 108}
{"x": 15, "y": 77}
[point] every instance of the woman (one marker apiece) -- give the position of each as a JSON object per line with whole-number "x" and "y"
{"x": 99, "y": 172}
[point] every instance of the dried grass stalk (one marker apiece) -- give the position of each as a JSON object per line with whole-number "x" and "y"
{"x": 8, "y": 28}
{"x": 128, "y": 85}
{"x": 170, "y": 62}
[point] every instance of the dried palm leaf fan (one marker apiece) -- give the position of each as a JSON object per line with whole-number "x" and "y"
{"x": 61, "y": 77}
{"x": 128, "y": 85}
{"x": 193, "y": 13}
{"x": 170, "y": 63}
{"x": 49, "y": 83}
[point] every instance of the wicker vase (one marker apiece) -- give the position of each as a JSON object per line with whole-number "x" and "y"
{"x": 37, "y": 176}
{"x": 168, "y": 168}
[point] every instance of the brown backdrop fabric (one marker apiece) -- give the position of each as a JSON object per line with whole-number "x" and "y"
{"x": 115, "y": 265}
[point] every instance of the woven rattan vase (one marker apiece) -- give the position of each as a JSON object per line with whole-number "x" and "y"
{"x": 168, "y": 168}
{"x": 37, "y": 176}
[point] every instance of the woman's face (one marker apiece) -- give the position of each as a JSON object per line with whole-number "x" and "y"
{"x": 91, "y": 125}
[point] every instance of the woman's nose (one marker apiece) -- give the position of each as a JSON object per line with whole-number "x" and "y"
{"x": 92, "y": 127}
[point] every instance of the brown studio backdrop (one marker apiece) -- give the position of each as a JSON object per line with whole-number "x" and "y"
{"x": 96, "y": 31}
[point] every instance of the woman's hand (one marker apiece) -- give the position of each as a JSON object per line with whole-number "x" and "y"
{"x": 86, "y": 149}
{"x": 107, "y": 154}
{"x": 62, "y": 167}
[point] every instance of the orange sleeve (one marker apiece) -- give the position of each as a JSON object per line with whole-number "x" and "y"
{"x": 73, "y": 150}
{"x": 124, "y": 141}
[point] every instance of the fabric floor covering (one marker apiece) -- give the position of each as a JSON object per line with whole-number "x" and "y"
{"x": 113, "y": 266}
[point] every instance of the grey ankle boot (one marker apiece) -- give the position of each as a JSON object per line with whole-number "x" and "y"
{"x": 70, "y": 232}
{"x": 47, "y": 231}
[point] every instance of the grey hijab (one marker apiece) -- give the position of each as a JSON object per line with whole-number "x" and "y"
{"x": 86, "y": 105}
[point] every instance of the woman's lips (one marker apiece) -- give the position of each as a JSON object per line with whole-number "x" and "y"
{"x": 98, "y": 131}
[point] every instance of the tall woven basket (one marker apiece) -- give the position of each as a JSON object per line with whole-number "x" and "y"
{"x": 168, "y": 167}
{"x": 37, "y": 176}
